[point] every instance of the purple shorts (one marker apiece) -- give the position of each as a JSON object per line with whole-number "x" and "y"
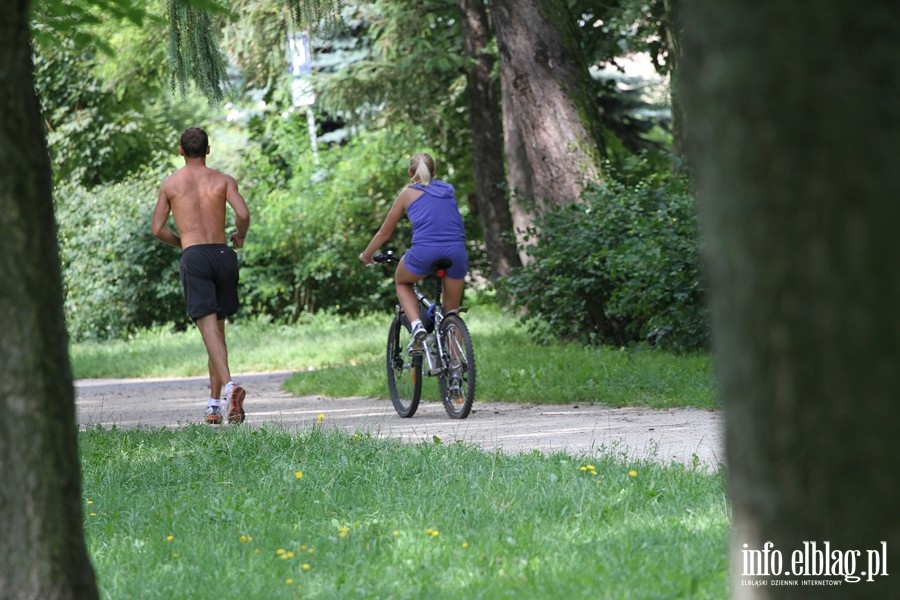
{"x": 419, "y": 259}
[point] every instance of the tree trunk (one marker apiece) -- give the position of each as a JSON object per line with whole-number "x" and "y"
{"x": 672, "y": 31}
{"x": 42, "y": 550}
{"x": 794, "y": 132}
{"x": 487, "y": 142}
{"x": 550, "y": 122}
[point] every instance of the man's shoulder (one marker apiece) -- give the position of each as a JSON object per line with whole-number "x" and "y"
{"x": 219, "y": 175}
{"x": 175, "y": 176}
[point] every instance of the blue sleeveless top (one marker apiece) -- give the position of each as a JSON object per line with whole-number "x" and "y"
{"x": 435, "y": 216}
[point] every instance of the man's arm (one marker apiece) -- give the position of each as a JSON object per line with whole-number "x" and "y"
{"x": 241, "y": 212}
{"x": 158, "y": 227}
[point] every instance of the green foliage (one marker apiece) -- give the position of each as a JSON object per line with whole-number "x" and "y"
{"x": 55, "y": 21}
{"x": 116, "y": 276}
{"x": 621, "y": 267}
{"x": 107, "y": 115}
{"x": 414, "y": 74}
{"x": 306, "y": 237}
{"x": 309, "y": 13}
{"x": 194, "y": 53}
{"x": 634, "y": 108}
{"x": 91, "y": 135}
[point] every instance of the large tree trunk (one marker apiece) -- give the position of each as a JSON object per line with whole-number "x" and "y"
{"x": 42, "y": 550}
{"x": 550, "y": 121}
{"x": 794, "y": 133}
{"x": 487, "y": 142}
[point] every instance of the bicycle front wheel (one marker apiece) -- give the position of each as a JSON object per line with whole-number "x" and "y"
{"x": 457, "y": 382}
{"x": 404, "y": 372}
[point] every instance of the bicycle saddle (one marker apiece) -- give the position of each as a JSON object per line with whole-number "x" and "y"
{"x": 441, "y": 264}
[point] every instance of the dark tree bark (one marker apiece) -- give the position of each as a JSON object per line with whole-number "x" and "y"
{"x": 794, "y": 134}
{"x": 672, "y": 32}
{"x": 42, "y": 550}
{"x": 550, "y": 122}
{"x": 487, "y": 141}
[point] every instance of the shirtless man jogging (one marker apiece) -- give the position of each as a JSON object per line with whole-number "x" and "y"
{"x": 195, "y": 195}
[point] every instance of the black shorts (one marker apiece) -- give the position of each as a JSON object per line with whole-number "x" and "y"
{"x": 209, "y": 276}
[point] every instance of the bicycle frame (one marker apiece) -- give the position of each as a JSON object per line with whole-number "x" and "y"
{"x": 447, "y": 350}
{"x": 433, "y": 338}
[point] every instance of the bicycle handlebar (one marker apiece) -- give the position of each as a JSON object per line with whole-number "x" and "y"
{"x": 386, "y": 258}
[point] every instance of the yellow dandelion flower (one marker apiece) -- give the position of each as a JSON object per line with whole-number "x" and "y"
{"x": 465, "y": 544}
{"x": 343, "y": 532}
{"x": 583, "y": 469}
{"x": 632, "y": 473}
{"x": 289, "y": 581}
{"x": 303, "y": 548}
{"x": 90, "y": 501}
{"x": 298, "y": 474}
{"x": 280, "y": 551}
{"x": 312, "y": 550}
{"x": 396, "y": 533}
{"x": 93, "y": 514}
{"x": 305, "y": 567}
{"x": 169, "y": 538}
{"x": 175, "y": 555}
{"x": 320, "y": 418}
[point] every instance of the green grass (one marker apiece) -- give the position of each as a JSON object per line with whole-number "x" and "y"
{"x": 254, "y": 346}
{"x": 341, "y": 357}
{"x": 198, "y": 513}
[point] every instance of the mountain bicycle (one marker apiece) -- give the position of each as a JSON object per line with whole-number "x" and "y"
{"x": 447, "y": 351}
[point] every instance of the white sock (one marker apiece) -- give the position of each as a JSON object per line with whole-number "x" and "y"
{"x": 214, "y": 402}
{"x": 414, "y": 324}
{"x": 228, "y": 387}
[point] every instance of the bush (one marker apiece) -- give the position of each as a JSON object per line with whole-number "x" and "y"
{"x": 117, "y": 278}
{"x": 621, "y": 267}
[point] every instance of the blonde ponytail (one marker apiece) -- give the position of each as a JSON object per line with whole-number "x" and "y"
{"x": 422, "y": 166}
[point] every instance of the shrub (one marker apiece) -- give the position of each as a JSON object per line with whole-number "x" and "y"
{"x": 117, "y": 278}
{"x": 621, "y": 267}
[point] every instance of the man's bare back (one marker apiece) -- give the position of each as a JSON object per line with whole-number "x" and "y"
{"x": 196, "y": 197}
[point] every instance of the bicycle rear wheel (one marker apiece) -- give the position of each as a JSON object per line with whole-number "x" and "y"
{"x": 404, "y": 372}
{"x": 457, "y": 382}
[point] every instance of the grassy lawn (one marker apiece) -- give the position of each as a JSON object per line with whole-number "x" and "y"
{"x": 200, "y": 513}
{"x": 239, "y": 513}
{"x": 341, "y": 357}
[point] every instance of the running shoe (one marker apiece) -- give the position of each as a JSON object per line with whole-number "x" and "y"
{"x": 213, "y": 415}
{"x": 236, "y": 404}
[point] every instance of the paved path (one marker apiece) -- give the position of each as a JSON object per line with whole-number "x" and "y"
{"x": 578, "y": 429}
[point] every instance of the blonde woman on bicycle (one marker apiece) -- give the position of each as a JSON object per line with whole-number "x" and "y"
{"x": 437, "y": 232}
